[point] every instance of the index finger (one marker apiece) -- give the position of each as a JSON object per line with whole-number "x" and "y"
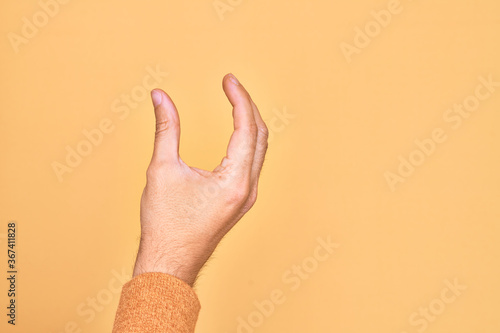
{"x": 241, "y": 148}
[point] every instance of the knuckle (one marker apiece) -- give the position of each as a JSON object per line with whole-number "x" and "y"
{"x": 239, "y": 194}
{"x": 150, "y": 173}
{"x": 161, "y": 127}
{"x": 153, "y": 171}
{"x": 264, "y": 132}
{"x": 266, "y": 146}
{"x": 252, "y": 130}
{"x": 252, "y": 198}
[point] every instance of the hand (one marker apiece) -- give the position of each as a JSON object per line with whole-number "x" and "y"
{"x": 185, "y": 211}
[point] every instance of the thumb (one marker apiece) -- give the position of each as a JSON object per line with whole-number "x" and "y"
{"x": 166, "y": 147}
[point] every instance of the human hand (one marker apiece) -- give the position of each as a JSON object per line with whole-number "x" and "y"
{"x": 185, "y": 211}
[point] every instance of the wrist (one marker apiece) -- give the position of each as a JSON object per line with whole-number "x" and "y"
{"x": 155, "y": 260}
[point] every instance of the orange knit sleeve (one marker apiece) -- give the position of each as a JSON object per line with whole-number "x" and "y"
{"x": 156, "y": 302}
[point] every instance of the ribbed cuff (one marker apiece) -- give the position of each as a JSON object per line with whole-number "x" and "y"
{"x": 156, "y": 302}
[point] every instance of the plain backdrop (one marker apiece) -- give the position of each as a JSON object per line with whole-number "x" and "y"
{"x": 341, "y": 122}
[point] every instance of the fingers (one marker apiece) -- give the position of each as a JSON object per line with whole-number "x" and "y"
{"x": 166, "y": 147}
{"x": 261, "y": 146}
{"x": 242, "y": 145}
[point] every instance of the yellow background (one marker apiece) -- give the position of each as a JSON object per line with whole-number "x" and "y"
{"x": 324, "y": 174}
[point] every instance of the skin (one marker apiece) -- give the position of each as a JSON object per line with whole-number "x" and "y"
{"x": 186, "y": 211}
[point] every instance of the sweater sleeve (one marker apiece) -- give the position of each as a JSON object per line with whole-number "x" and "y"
{"x": 156, "y": 302}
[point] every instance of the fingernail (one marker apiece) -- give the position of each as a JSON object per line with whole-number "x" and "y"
{"x": 234, "y": 79}
{"x": 156, "y": 97}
